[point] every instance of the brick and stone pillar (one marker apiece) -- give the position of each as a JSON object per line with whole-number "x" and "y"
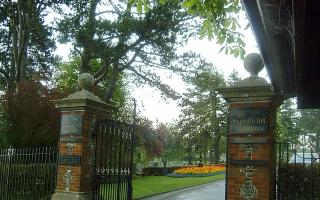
{"x": 250, "y": 138}
{"x": 76, "y": 147}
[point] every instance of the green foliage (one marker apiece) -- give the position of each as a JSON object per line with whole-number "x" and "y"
{"x": 171, "y": 145}
{"x": 140, "y": 155}
{"x": 298, "y": 181}
{"x": 26, "y": 42}
{"x": 298, "y": 127}
{"x": 310, "y": 125}
{"x": 67, "y": 77}
{"x": 288, "y": 129}
{"x": 27, "y": 181}
{"x": 67, "y": 80}
{"x": 219, "y": 21}
{"x": 125, "y": 42}
{"x": 29, "y": 117}
{"x": 204, "y": 113}
{"x": 147, "y": 138}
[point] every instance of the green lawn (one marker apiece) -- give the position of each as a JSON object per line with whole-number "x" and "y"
{"x": 151, "y": 185}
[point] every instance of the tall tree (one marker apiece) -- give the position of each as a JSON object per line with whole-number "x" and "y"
{"x": 25, "y": 41}
{"x": 206, "y": 111}
{"x": 113, "y": 33}
{"x": 310, "y": 124}
{"x": 219, "y": 21}
{"x": 288, "y": 127}
{"x": 28, "y": 117}
{"x": 66, "y": 80}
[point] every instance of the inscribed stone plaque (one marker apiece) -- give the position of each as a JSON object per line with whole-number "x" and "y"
{"x": 249, "y": 120}
{"x": 69, "y": 138}
{"x": 248, "y": 140}
{"x": 71, "y": 124}
{"x": 249, "y": 162}
{"x": 69, "y": 160}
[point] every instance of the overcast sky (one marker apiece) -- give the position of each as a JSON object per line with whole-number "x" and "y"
{"x": 156, "y": 108}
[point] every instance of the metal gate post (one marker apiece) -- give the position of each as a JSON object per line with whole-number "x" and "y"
{"x": 76, "y": 152}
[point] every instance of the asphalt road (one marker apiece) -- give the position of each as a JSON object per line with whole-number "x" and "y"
{"x": 209, "y": 191}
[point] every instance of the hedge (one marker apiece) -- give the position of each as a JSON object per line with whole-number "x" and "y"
{"x": 31, "y": 181}
{"x": 160, "y": 171}
{"x": 298, "y": 181}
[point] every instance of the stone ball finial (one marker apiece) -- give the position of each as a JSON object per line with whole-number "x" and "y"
{"x": 85, "y": 81}
{"x": 253, "y": 63}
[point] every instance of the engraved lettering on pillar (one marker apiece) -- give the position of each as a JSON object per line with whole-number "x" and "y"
{"x": 249, "y": 121}
{"x": 248, "y": 191}
{"x": 248, "y": 149}
{"x": 67, "y": 178}
{"x": 70, "y": 147}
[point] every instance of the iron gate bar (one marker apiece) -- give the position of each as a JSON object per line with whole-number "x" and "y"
{"x": 296, "y": 179}
{"x": 27, "y": 173}
{"x": 311, "y": 175}
{"x": 113, "y": 160}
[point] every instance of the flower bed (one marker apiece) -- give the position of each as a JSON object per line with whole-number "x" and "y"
{"x": 207, "y": 170}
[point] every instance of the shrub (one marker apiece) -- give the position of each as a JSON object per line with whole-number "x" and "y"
{"x": 27, "y": 181}
{"x": 29, "y": 118}
{"x": 158, "y": 171}
{"x": 298, "y": 181}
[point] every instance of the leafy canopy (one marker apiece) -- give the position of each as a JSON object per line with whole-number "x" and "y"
{"x": 219, "y": 21}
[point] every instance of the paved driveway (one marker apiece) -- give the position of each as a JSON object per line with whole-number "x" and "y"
{"x": 209, "y": 191}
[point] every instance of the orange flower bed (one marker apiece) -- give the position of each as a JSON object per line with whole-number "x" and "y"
{"x": 209, "y": 169}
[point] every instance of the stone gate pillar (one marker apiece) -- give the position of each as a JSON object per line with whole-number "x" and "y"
{"x": 251, "y": 160}
{"x": 76, "y": 148}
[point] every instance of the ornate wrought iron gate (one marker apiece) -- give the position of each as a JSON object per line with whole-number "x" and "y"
{"x": 112, "y": 178}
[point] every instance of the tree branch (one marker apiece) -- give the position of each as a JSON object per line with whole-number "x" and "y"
{"x": 5, "y": 74}
{"x": 100, "y": 74}
{"x": 111, "y": 85}
{"x": 162, "y": 87}
{"x": 116, "y": 8}
{"x": 106, "y": 11}
{"x": 133, "y": 58}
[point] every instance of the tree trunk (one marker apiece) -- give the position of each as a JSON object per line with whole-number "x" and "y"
{"x": 20, "y": 21}
{"x": 216, "y": 145}
{"x": 200, "y": 157}
{"x": 211, "y": 155}
{"x": 189, "y": 156}
{"x": 111, "y": 85}
{"x": 317, "y": 149}
{"x": 164, "y": 162}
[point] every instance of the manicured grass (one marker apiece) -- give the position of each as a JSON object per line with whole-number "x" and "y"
{"x": 151, "y": 185}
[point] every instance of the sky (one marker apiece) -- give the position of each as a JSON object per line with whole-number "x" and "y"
{"x": 154, "y": 107}
{"x": 151, "y": 104}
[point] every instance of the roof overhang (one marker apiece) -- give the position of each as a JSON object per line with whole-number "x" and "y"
{"x": 288, "y": 35}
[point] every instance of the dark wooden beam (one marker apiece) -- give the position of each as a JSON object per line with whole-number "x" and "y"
{"x": 298, "y": 7}
{"x": 275, "y": 48}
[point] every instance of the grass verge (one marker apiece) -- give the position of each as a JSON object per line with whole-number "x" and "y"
{"x": 151, "y": 185}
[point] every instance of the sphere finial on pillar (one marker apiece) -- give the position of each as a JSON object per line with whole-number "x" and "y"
{"x": 253, "y": 63}
{"x": 85, "y": 81}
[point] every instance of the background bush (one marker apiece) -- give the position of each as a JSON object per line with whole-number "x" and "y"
{"x": 298, "y": 181}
